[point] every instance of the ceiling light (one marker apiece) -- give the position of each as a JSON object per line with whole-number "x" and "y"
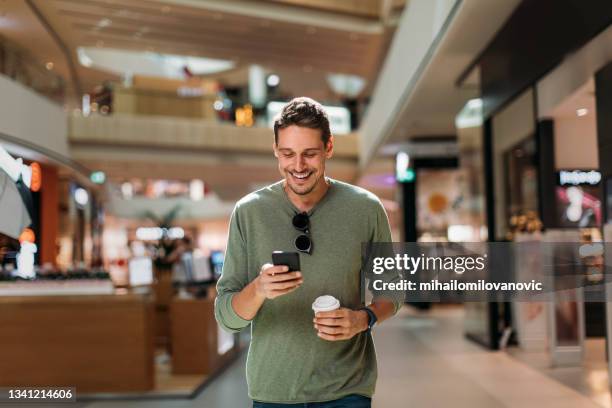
{"x": 582, "y": 112}
{"x": 105, "y": 22}
{"x": 150, "y": 63}
{"x": 6, "y": 22}
{"x": 196, "y": 190}
{"x": 86, "y": 104}
{"x": 273, "y": 80}
{"x": 81, "y": 196}
{"x": 49, "y": 66}
{"x": 470, "y": 115}
{"x": 346, "y": 85}
{"x": 84, "y": 59}
{"x": 474, "y": 103}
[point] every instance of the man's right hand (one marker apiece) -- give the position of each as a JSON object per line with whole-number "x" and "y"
{"x": 274, "y": 281}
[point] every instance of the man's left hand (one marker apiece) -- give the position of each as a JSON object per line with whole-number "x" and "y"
{"x": 340, "y": 324}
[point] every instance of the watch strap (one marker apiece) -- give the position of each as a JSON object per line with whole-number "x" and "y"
{"x": 372, "y": 319}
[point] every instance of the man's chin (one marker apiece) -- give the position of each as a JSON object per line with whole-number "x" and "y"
{"x": 301, "y": 190}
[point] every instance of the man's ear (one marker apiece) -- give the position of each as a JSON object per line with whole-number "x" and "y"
{"x": 329, "y": 149}
{"x": 275, "y": 149}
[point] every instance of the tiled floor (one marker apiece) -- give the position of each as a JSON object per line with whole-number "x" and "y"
{"x": 424, "y": 361}
{"x": 590, "y": 379}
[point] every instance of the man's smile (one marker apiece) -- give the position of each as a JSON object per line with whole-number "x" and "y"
{"x": 300, "y": 176}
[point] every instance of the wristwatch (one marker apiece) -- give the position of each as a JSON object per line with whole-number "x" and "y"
{"x": 372, "y": 319}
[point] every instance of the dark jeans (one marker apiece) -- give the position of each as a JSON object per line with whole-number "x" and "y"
{"x": 350, "y": 401}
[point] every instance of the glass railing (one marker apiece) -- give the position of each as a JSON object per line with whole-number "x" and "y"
{"x": 17, "y": 64}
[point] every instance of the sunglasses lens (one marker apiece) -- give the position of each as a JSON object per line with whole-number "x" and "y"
{"x": 302, "y": 243}
{"x": 300, "y": 221}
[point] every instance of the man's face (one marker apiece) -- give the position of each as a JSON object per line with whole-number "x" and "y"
{"x": 301, "y": 157}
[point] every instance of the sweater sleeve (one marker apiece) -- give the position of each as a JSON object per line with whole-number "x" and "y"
{"x": 233, "y": 278}
{"x": 382, "y": 241}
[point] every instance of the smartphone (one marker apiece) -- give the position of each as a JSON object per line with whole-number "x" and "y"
{"x": 291, "y": 259}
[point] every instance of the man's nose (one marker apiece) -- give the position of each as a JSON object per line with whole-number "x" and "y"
{"x": 300, "y": 164}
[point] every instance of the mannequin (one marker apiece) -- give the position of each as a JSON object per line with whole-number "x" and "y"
{"x": 15, "y": 167}
{"x": 11, "y": 166}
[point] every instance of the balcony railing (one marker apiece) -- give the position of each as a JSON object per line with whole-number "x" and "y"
{"x": 20, "y": 66}
{"x": 182, "y": 133}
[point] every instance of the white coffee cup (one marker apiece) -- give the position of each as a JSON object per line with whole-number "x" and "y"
{"x": 325, "y": 303}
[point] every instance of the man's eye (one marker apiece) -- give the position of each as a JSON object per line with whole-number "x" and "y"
{"x": 310, "y": 155}
{"x": 288, "y": 155}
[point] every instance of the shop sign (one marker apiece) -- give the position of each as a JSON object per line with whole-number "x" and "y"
{"x": 579, "y": 177}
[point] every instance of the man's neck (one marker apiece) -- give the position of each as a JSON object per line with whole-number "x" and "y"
{"x": 306, "y": 202}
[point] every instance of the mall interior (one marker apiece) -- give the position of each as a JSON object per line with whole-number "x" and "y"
{"x": 129, "y": 129}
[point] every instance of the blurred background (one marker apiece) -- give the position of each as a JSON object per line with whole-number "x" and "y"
{"x": 129, "y": 129}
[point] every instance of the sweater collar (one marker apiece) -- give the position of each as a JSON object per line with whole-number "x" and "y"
{"x": 278, "y": 187}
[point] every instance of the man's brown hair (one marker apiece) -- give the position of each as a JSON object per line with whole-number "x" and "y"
{"x": 303, "y": 112}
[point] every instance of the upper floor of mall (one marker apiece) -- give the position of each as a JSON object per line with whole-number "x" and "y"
{"x": 165, "y": 92}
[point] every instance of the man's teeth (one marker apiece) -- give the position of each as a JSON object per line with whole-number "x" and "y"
{"x": 300, "y": 176}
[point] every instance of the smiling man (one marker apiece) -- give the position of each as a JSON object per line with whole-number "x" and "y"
{"x": 327, "y": 360}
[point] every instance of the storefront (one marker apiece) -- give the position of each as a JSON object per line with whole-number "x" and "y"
{"x": 537, "y": 123}
{"x": 65, "y": 214}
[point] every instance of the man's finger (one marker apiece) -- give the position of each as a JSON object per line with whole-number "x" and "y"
{"x": 332, "y": 314}
{"x": 264, "y": 267}
{"x": 274, "y": 269}
{"x": 284, "y": 285}
{"x": 280, "y": 277}
{"x": 331, "y": 330}
{"x": 329, "y": 322}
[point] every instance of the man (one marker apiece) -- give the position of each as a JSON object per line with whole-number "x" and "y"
{"x": 296, "y": 357}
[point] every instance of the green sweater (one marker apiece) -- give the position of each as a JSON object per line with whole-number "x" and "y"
{"x": 287, "y": 362}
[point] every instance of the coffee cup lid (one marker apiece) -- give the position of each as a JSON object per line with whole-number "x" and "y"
{"x": 325, "y": 303}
